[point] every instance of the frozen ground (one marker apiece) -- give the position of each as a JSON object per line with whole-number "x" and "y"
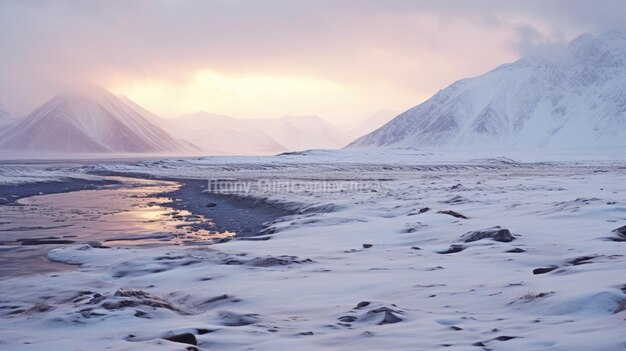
{"x": 370, "y": 267}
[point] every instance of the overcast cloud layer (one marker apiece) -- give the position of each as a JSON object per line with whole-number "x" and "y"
{"x": 341, "y": 60}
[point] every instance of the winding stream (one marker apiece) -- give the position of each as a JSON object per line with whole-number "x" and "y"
{"x": 133, "y": 213}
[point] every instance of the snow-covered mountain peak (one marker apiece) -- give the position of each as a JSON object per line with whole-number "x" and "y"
{"x": 532, "y": 102}
{"x": 607, "y": 49}
{"x": 89, "y": 121}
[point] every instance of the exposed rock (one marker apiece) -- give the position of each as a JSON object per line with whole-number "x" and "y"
{"x": 620, "y": 231}
{"x": 458, "y": 199}
{"x": 494, "y": 233}
{"x": 184, "y": 338}
{"x": 216, "y": 299}
{"x": 453, "y": 214}
{"x": 390, "y": 318}
{"x": 543, "y": 270}
{"x": 232, "y": 319}
{"x": 347, "y": 319}
{"x": 362, "y": 304}
{"x": 378, "y": 316}
{"x": 131, "y": 293}
{"x": 582, "y": 260}
{"x": 131, "y": 298}
{"x": 96, "y": 299}
{"x": 283, "y": 260}
{"x": 388, "y": 314}
{"x": 505, "y": 338}
{"x": 453, "y": 249}
{"x": 95, "y": 244}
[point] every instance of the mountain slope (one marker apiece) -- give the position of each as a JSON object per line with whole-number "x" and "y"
{"x": 93, "y": 121}
{"x": 577, "y": 98}
{"x": 297, "y": 133}
{"x": 222, "y": 135}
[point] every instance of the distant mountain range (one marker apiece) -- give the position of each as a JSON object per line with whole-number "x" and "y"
{"x": 297, "y": 133}
{"x": 223, "y": 135}
{"x": 95, "y": 121}
{"x": 577, "y": 100}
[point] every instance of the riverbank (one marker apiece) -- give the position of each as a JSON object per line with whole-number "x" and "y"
{"x": 119, "y": 212}
{"x": 243, "y": 216}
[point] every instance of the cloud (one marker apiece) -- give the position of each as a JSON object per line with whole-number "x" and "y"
{"x": 396, "y": 51}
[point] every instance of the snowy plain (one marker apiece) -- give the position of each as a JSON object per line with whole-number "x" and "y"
{"x": 362, "y": 269}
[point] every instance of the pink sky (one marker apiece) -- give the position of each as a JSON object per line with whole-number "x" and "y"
{"x": 340, "y": 60}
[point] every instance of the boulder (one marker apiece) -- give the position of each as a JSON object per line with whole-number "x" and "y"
{"x": 453, "y": 214}
{"x": 496, "y": 233}
{"x": 184, "y": 338}
{"x": 452, "y": 249}
{"x": 620, "y": 231}
{"x": 543, "y": 270}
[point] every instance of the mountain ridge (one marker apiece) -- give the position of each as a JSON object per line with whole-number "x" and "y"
{"x": 532, "y": 102}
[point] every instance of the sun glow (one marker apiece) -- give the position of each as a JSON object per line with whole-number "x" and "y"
{"x": 246, "y": 96}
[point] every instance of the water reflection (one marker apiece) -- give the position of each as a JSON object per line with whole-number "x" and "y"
{"x": 133, "y": 214}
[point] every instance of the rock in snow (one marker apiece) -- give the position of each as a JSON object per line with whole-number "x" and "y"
{"x": 620, "y": 231}
{"x": 496, "y": 233}
{"x": 533, "y": 102}
{"x": 184, "y": 338}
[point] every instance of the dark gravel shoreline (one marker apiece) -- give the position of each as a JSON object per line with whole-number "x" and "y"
{"x": 244, "y": 216}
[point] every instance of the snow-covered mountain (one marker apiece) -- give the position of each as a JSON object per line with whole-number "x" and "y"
{"x": 577, "y": 100}
{"x": 298, "y": 133}
{"x": 92, "y": 121}
{"x": 222, "y": 135}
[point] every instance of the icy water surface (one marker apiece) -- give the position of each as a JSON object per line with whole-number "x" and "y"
{"x": 118, "y": 216}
